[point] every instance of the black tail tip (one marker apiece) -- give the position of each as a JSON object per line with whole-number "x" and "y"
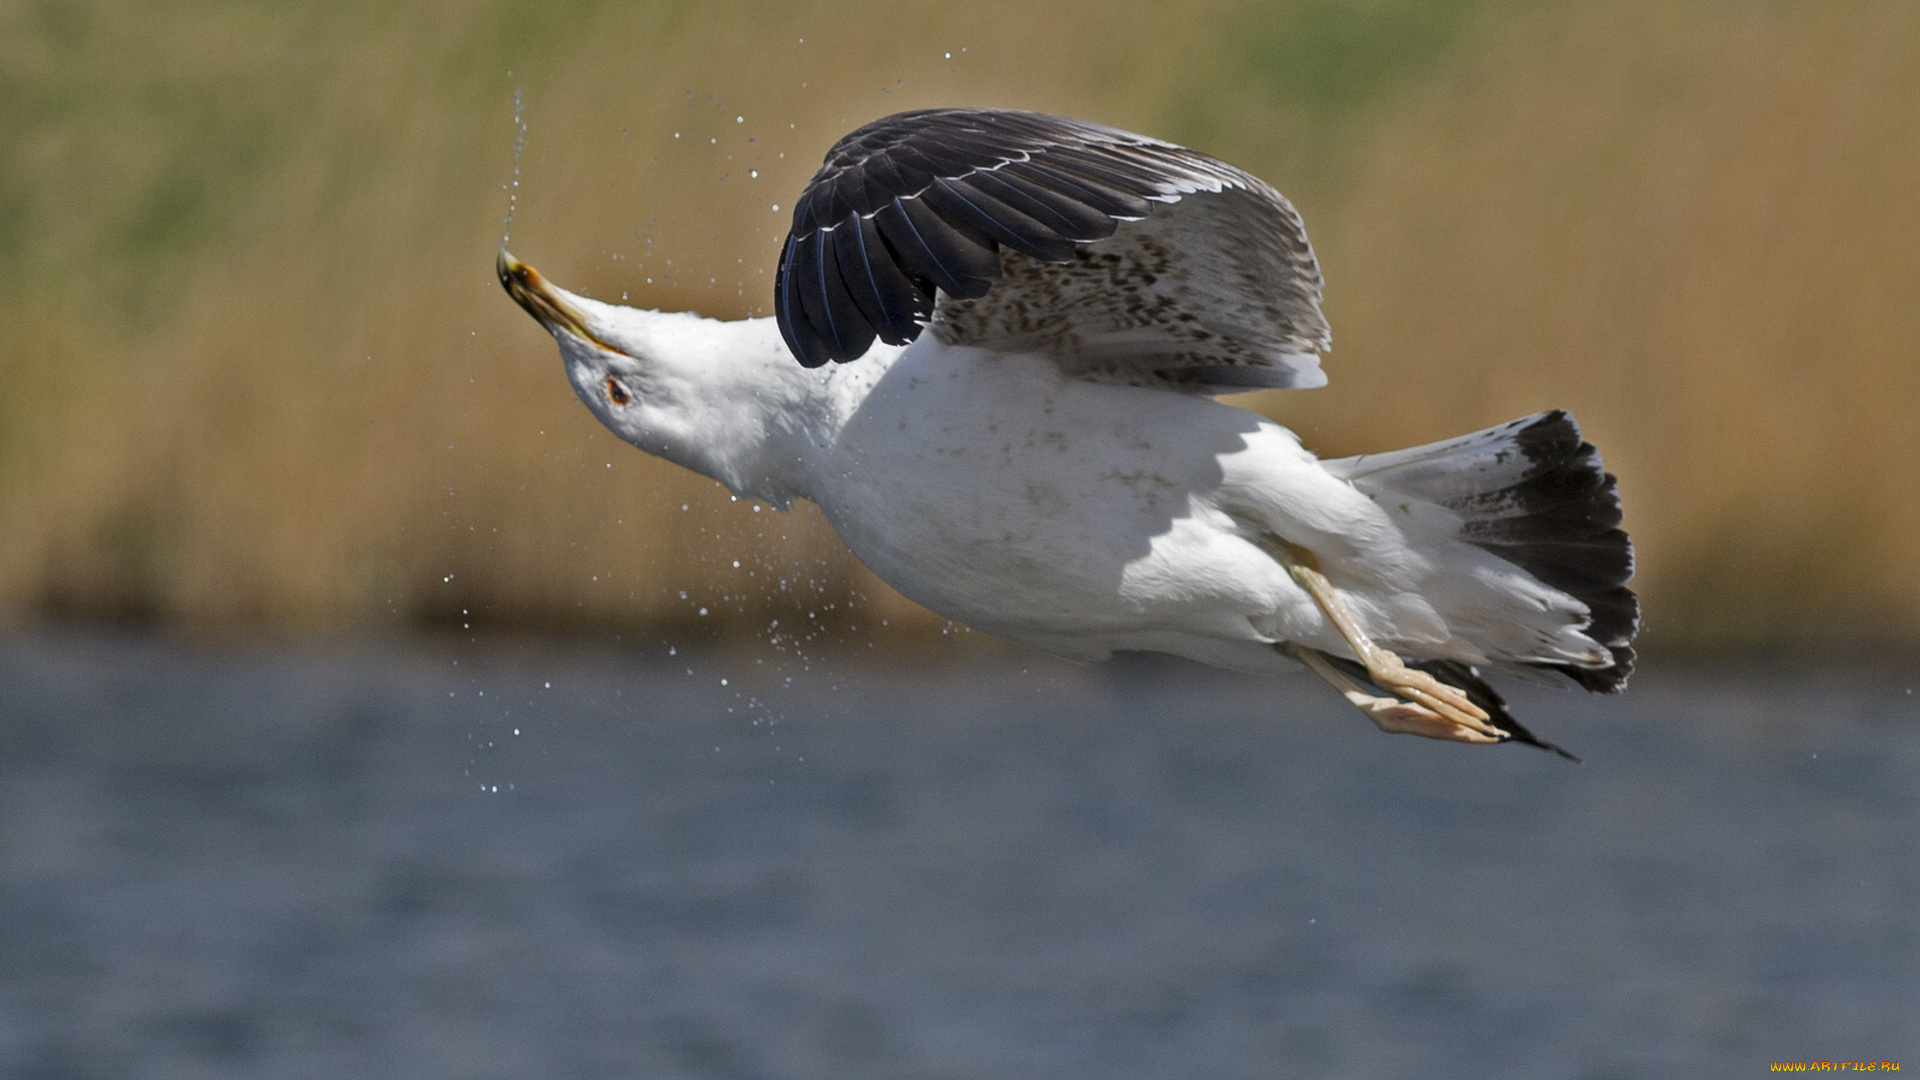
{"x": 1521, "y": 735}
{"x": 1466, "y": 678}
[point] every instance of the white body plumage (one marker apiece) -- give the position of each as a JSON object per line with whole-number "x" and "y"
{"x": 1074, "y": 517}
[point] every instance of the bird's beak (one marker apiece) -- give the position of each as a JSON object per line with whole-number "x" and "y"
{"x": 542, "y": 300}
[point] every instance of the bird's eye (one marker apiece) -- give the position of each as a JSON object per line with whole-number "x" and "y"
{"x": 617, "y": 393}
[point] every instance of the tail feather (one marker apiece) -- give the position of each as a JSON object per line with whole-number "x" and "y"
{"x": 1534, "y": 494}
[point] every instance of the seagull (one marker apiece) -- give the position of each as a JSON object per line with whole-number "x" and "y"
{"x": 1010, "y": 330}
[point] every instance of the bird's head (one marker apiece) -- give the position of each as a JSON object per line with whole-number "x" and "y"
{"x": 605, "y": 347}
{"x": 698, "y": 392}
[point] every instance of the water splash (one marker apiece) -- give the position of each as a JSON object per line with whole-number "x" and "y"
{"x": 519, "y": 145}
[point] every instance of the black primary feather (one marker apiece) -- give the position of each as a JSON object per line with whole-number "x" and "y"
{"x": 886, "y": 297}
{"x": 806, "y": 348}
{"x": 958, "y": 263}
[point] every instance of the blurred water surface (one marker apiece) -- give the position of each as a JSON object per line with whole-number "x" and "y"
{"x": 519, "y": 860}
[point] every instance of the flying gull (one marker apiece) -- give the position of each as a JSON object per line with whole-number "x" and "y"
{"x": 1010, "y": 329}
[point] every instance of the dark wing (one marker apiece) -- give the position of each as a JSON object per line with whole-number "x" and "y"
{"x": 998, "y": 228}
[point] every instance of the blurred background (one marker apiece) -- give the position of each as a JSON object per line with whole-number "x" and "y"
{"x": 366, "y": 709}
{"x": 257, "y": 375}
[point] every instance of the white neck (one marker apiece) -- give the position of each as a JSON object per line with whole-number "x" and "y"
{"x": 725, "y": 399}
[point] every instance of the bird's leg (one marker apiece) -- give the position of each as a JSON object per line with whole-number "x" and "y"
{"x": 1444, "y": 711}
{"x": 1390, "y": 715}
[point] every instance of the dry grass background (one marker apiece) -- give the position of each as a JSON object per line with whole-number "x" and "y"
{"x": 256, "y": 375}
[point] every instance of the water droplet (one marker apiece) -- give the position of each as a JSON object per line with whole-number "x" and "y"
{"x": 519, "y": 145}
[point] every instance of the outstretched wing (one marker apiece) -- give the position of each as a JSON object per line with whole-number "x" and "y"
{"x": 1124, "y": 258}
